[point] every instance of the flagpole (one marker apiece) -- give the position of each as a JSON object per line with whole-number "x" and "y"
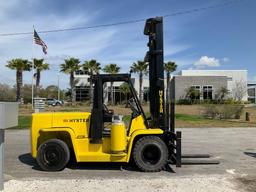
{"x": 33, "y": 65}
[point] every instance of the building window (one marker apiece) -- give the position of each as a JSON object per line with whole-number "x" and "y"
{"x": 80, "y": 72}
{"x": 82, "y": 93}
{"x": 251, "y": 92}
{"x": 207, "y": 92}
{"x": 146, "y": 94}
{"x": 196, "y": 90}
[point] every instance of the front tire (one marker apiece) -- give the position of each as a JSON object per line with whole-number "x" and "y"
{"x": 150, "y": 154}
{"x": 53, "y": 155}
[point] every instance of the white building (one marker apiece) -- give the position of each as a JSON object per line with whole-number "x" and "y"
{"x": 208, "y": 81}
{"x": 83, "y": 87}
{"x": 235, "y": 78}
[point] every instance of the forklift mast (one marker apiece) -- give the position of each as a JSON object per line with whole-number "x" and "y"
{"x": 154, "y": 29}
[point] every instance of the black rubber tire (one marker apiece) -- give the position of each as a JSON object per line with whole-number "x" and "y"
{"x": 150, "y": 154}
{"x": 58, "y": 104}
{"x": 53, "y": 155}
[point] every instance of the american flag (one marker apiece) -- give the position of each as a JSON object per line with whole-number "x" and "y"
{"x": 39, "y": 41}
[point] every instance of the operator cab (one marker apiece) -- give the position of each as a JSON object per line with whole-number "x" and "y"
{"x": 125, "y": 116}
{"x": 102, "y": 116}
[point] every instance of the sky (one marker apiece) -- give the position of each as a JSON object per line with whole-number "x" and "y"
{"x": 219, "y": 38}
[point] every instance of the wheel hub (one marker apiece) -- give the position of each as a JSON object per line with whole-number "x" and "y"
{"x": 151, "y": 154}
{"x": 52, "y": 156}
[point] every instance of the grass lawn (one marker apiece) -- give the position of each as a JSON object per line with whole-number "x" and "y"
{"x": 190, "y": 121}
{"x": 186, "y": 116}
{"x": 24, "y": 122}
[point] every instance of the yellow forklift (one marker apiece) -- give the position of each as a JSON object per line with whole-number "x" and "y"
{"x": 150, "y": 142}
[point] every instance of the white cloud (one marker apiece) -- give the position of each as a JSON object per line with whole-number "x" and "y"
{"x": 206, "y": 61}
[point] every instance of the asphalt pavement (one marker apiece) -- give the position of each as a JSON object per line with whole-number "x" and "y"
{"x": 235, "y": 148}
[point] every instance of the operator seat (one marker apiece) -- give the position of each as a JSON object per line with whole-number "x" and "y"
{"x": 107, "y": 120}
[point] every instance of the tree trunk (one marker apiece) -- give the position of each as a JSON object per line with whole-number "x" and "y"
{"x": 72, "y": 86}
{"x": 91, "y": 90}
{"x": 38, "y": 77}
{"x": 19, "y": 82}
{"x": 111, "y": 93}
{"x": 140, "y": 90}
{"x": 126, "y": 100}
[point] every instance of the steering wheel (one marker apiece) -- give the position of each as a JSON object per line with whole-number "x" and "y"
{"x": 106, "y": 110}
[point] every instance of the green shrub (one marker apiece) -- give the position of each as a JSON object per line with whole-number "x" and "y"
{"x": 231, "y": 101}
{"x": 196, "y": 101}
{"x": 184, "y": 102}
{"x": 210, "y": 111}
{"x": 223, "y": 111}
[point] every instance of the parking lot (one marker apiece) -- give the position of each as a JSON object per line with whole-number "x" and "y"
{"x": 235, "y": 148}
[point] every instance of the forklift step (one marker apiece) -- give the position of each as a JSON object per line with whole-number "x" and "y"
{"x": 200, "y": 162}
{"x": 118, "y": 154}
{"x": 196, "y": 156}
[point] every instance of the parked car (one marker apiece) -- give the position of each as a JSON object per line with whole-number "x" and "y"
{"x": 53, "y": 102}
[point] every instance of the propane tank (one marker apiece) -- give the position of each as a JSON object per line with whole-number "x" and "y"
{"x": 118, "y": 135}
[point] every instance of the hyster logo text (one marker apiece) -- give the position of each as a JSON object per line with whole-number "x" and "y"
{"x": 74, "y": 120}
{"x": 161, "y": 109}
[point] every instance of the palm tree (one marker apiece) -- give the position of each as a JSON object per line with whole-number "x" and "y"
{"x": 91, "y": 67}
{"x": 192, "y": 94}
{"x": 125, "y": 89}
{"x": 39, "y": 66}
{"x": 140, "y": 67}
{"x": 20, "y": 65}
{"x": 111, "y": 69}
{"x": 169, "y": 67}
{"x": 69, "y": 67}
{"x": 221, "y": 94}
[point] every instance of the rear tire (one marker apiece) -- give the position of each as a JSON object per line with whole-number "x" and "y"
{"x": 150, "y": 154}
{"x": 53, "y": 155}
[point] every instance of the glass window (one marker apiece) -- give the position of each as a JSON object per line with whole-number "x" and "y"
{"x": 80, "y": 72}
{"x": 251, "y": 92}
{"x": 207, "y": 92}
{"x": 82, "y": 93}
{"x": 146, "y": 94}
